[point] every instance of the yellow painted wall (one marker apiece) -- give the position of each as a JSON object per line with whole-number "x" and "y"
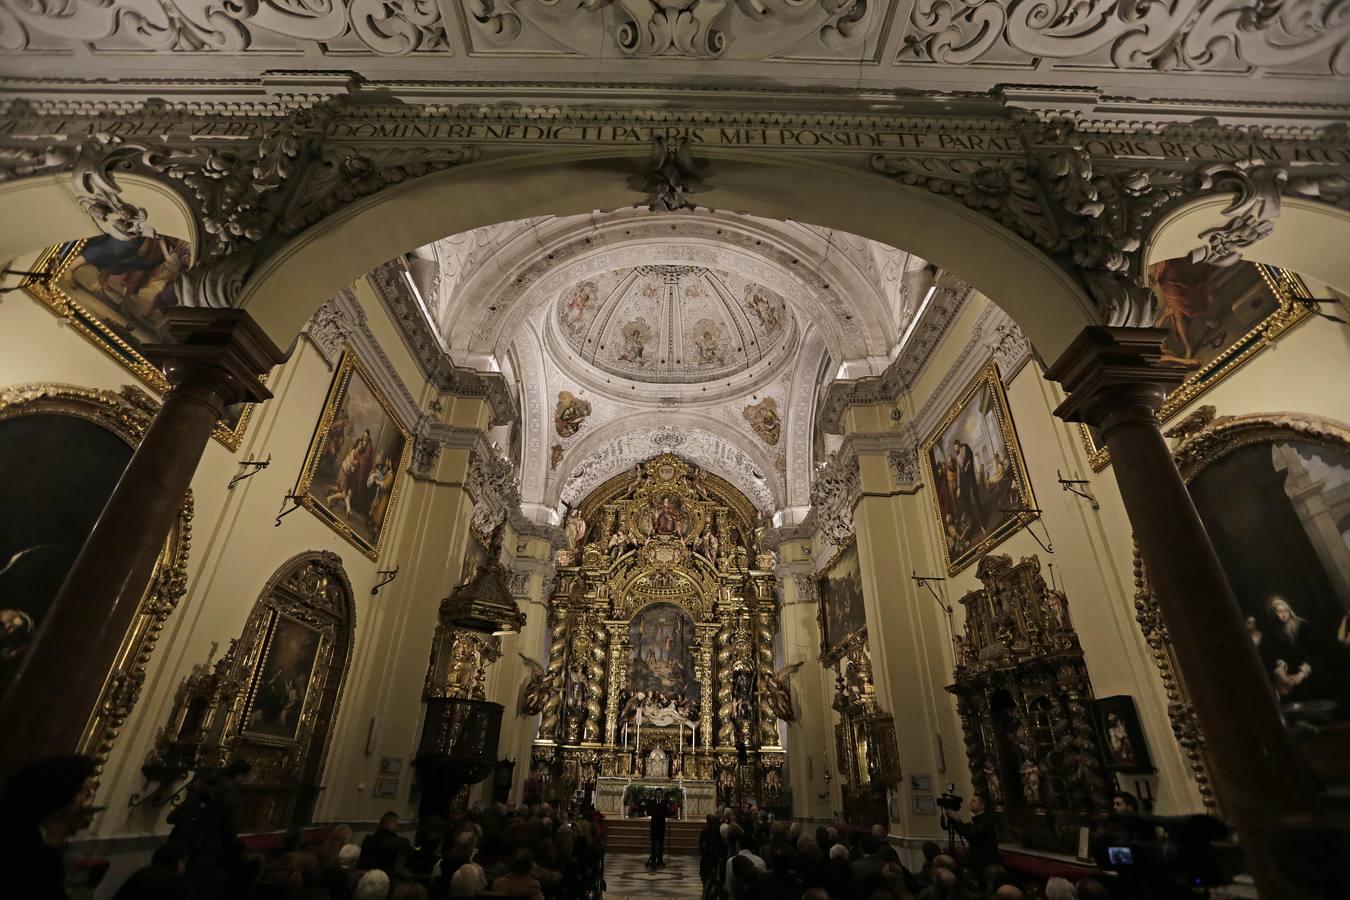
{"x": 1306, "y": 371}
{"x": 236, "y": 548}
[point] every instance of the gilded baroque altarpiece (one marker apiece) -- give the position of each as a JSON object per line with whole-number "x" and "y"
{"x": 662, "y": 627}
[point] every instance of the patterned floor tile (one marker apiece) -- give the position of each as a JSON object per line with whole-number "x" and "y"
{"x": 627, "y": 875}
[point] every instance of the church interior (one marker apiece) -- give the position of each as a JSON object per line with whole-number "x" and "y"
{"x": 770, "y": 429}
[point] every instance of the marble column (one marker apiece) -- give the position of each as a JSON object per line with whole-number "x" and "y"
{"x": 215, "y": 359}
{"x": 1116, "y": 380}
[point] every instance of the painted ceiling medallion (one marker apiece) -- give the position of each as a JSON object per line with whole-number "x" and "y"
{"x": 673, "y": 323}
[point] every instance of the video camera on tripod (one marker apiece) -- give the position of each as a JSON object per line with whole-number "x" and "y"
{"x": 949, "y": 800}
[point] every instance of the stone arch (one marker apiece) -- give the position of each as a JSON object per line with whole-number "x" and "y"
{"x": 1043, "y": 297}
{"x": 41, "y": 211}
{"x": 1309, "y": 237}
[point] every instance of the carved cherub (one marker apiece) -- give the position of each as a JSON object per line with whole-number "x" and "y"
{"x": 534, "y": 692}
{"x": 778, "y": 692}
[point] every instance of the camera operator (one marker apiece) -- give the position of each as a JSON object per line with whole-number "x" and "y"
{"x": 980, "y": 833}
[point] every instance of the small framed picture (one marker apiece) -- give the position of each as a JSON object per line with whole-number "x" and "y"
{"x": 1122, "y": 737}
{"x": 386, "y": 788}
{"x": 924, "y": 804}
{"x": 391, "y": 765}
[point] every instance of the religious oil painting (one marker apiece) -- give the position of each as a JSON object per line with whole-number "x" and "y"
{"x": 662, "y": 656}
{"x": 1217, "y": 318}
{"x": 64, "y": 469}
{"x": 1122, "y": 736}
{"x": 355, "y": 466}
{"x": 1278, "y": 513}
{"x": 981, "y": 493}
{"x": 282, "y": 680}
{"x": 842, "y": 614}
{"x": 115, "y": 292}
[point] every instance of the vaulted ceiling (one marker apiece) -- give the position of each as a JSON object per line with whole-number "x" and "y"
{"x": 630, "y": 333}
{"x": 1239, "y": 50}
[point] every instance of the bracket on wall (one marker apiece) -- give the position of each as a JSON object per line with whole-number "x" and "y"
{"x": 1072, "y": 485}
{"x": 1047, "y": 545}
{"x": 1311, "y": 304}
{"x": 926, "y": 581}
{"x": 295, "y": 500}
{"x": 249, "y": 467}
{"x": 42, "y": 278}
{"x": 386, "y": 576}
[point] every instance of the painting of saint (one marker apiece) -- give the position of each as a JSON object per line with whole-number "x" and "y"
{"x": 1120, "y": 735}
{"x": 662, "y": 657}
{"x": 841, "y": 598}
{"x": 352, "y": 475}
{"x": 636, "y": 334}
{"x": 707, "y": 339}
{"x": 576, "y": 307}
{"x": 64, "y": 469}
{"x": 975, "y": 467}
{"x": 665, "y": 515}
{"x": 764, "y": 420}
{"x": 282, "y": 680}
{"x": 569, "y": 414}
{"x": 1206, "y": 309}
{"x": 761, "y": 308}
{"x": 1278, "y": 513}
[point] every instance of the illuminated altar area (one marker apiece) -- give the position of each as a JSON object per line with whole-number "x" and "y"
{"x": 660, "y": 670}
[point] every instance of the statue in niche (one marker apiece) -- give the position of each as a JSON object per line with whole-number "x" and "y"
{"x": 536, "y": 689}
{"x": 575, "y": 529}
{"x": 576, "y": 692}
{"x": 778, "y": 692}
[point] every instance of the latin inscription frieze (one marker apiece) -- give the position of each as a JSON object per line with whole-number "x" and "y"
{"x": 970, "y": 140}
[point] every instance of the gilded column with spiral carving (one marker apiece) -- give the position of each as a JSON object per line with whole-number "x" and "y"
{"x": 707, "y": 639}
{"x": 765, "y": 627}
{"x": 595, "y": 687}
{"x": 550, "y": 717}
{"x": 726, "y": 736}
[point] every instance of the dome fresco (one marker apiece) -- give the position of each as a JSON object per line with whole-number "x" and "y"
{"x": 673, "y": 323}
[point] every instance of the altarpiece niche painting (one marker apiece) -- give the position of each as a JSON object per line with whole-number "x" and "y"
{"x": 356, "y": 460}
{"x": 662, "y": 659}
{"x": 115, "y": 292}
{"x": 283, "y": 680}
{"x": 67, "y": 448}
{"x": 981, "y": 493}
{"x": 842, "y": 614}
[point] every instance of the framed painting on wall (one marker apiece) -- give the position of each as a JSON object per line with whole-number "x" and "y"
{"x": 114, "y": 293}
{"x": 282, "y": 680}
{"x": 981, "y": 492}
{"x": 1217, "y": 318}
{"x": 840, "y": 591}
{"x": 1122, "y": 737}
{"x": 354, "y": 469}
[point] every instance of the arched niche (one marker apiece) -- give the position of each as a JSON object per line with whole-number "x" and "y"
{"x": 65, "y": 448}
{"x": 287, "y": 672}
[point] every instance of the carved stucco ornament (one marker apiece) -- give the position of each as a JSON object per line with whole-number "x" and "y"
{"x": 1093, "y": 216}
{"x": 670, "y": 177}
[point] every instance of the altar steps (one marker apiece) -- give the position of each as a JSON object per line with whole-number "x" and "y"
{"x": 633, "y": 836}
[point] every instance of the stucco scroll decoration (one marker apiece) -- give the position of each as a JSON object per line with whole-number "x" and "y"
{"x": 1192, "y": 36}
{"x": 833, "y": 493}
{"x": 492, "y": 485}
{"x": 384, "y": 27}
{"x": 1094, "y": 216}
{"x": 670, "y": 177}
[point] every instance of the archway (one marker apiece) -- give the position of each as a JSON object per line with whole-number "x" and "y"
{"x": 1040, "y": 295}
{"x": 290, "y": 665}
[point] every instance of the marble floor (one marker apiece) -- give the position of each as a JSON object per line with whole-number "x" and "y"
{"x": 628, "y": 878}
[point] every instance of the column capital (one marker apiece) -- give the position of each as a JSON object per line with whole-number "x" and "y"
{"x": 225, "y": 348}
{"x": 1108, "y": 370}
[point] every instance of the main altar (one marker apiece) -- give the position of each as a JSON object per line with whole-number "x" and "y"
{"x": 661, "y": 662}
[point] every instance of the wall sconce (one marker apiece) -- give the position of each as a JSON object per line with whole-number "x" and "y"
{"x": 823, "y": 795}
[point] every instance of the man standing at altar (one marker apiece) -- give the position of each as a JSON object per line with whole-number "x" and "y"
{"x": 658, "y": 809}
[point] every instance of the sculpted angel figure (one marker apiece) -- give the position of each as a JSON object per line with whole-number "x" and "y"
{"x": 778, "y": 692}
{"x": 534, "y": 692}
{"x": 575, "y": 529}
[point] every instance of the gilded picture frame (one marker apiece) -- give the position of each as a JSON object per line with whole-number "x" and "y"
{"x": 261, "y": 723}
{"x": 1000, "y": 453}
{"x": 354, "y": 406}
{"x": 1288, "y": 288}
{"x": 844, "y": 565}
{"x": 127, "y": 415}
{"x": 55, "y": 263}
